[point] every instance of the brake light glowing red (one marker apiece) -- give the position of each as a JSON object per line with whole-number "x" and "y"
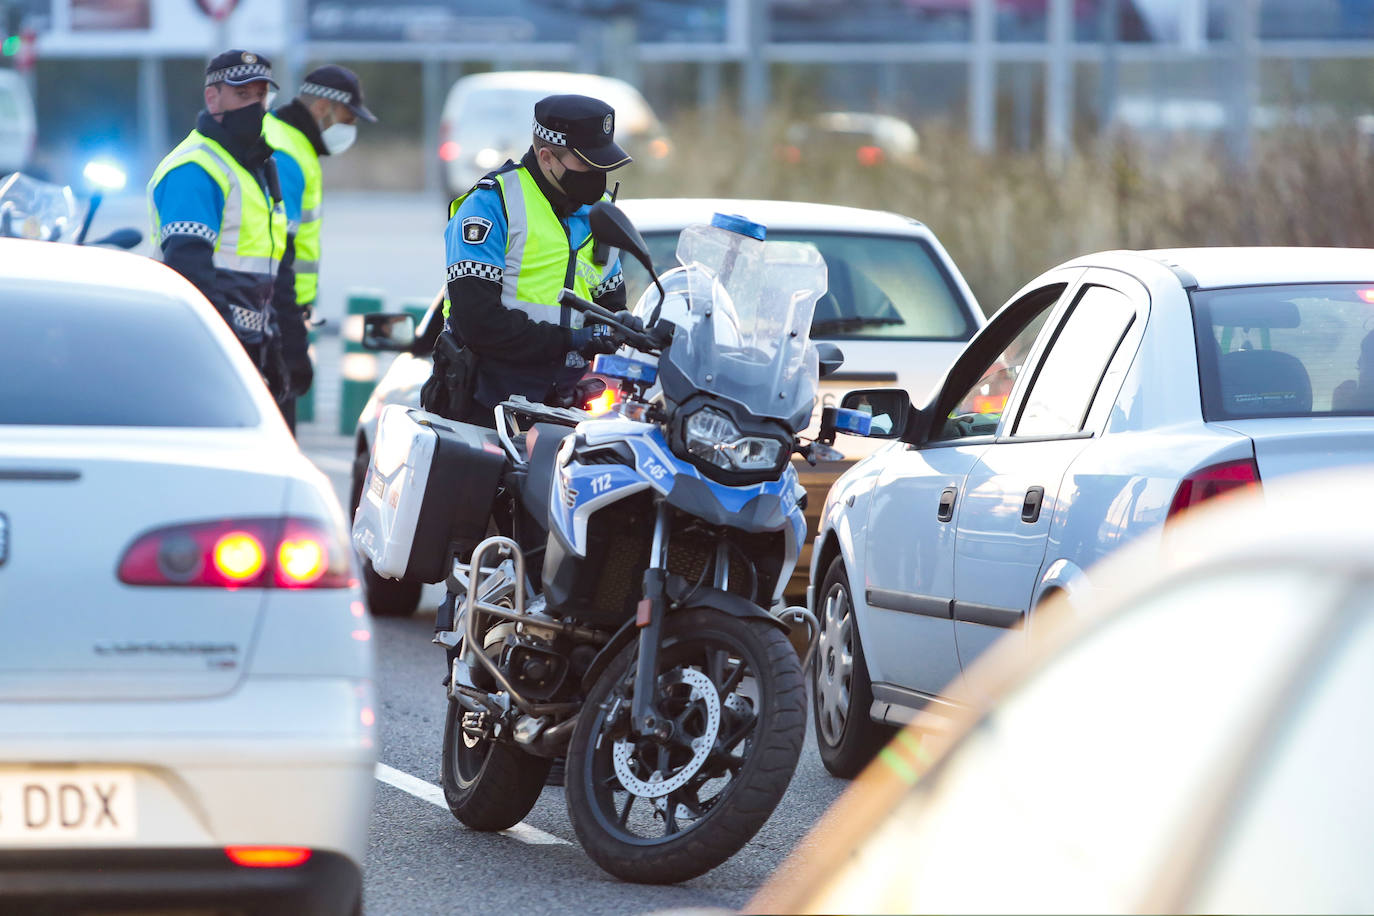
{"x": 239, "y": 553}
{"x": 1211, "y": 482}
{"x": 1367, "y": 295}
{"x": 870, "y": 155}
{"x": 268, "y": 856}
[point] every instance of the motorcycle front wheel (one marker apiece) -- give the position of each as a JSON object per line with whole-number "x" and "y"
{"x": 663, "y": 809}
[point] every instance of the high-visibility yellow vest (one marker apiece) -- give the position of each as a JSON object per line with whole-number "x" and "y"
{"x": 537, "y": 253}
{"x": 252, "y": 231}
{"x": 290, "y": 140}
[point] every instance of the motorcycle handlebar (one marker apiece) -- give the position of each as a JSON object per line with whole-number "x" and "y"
{"x": 648, "y": 340}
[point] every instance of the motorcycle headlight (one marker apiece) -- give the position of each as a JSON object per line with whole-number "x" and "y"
{"x": 713, "y": 437}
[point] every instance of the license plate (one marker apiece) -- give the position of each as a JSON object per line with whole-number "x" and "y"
{"x": 76, "y": 805}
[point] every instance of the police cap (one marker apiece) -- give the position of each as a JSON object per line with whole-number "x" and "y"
{"x": 582, "y": 124}
{"x": 338, "y": 84}
{"x": 237, "y": 67}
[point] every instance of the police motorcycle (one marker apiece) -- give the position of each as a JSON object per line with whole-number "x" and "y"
{"x": 643, "y": 649}
{"x": 31, "y": 208}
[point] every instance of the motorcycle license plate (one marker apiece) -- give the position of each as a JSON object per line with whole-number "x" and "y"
{"x": 67, "y": 805}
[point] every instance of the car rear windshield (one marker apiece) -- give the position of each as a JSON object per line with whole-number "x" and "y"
{"x": 112, "y": 358}
{"x": 1286, "y": 351}
{"x": 881, "y": 287}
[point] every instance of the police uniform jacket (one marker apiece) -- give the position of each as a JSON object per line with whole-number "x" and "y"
{"x": 297, "y": 146}
{"x": 219, "y": 226}
{"x": 506, "y": 265}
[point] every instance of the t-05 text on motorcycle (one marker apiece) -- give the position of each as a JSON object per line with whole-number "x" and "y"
{"x": 620, "y": 616}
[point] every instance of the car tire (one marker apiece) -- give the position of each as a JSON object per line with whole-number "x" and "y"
{"x": 384, "y": 597}
{"x": 841, "y": 693}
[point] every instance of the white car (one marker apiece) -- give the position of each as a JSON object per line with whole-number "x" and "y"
{"x": 897, "y": 306}
{"x": 1109, "y": 395}
{"x": 1192, "y": 745}
{"x": 186, "y": 695}
{"x": 488, "y": 118}
{"x": 18, "y": 124}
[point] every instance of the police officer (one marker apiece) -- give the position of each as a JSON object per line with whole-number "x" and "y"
{"x": 216, "y": 208}
{"x": 514, "y": 242}
{"x": 320, "y": 121}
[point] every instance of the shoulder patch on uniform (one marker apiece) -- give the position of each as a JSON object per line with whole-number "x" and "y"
{"x": 475, "y": 229}
{"x": 486, "y": 183}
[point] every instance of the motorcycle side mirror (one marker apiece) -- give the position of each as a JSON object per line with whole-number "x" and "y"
{"x": 832, "y": 358}
{"x": 610, "y": 225}
{"x": 388, "y": 333}
{"x": 126, "y": 238}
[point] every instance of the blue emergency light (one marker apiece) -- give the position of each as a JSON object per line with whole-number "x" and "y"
{"x": 622, "y": 367}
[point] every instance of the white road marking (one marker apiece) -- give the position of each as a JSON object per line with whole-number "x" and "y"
{"x": 435, "y": 796}
{"x": 328, "y": 463}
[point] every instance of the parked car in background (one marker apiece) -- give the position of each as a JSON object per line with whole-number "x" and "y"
{"x": 18, "y": 124}
{"x": 897, "y": 306}
{"x": 1141, "y": 384}
{"x": 488, "y": 118}
{"x": 186, "y": 699}
{"x": 859, "y": 138}
{"x": 1193, "y": 745}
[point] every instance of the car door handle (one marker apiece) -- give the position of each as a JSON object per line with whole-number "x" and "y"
{"x": 1030, "y": 509}
{"x": 946, "y": 510}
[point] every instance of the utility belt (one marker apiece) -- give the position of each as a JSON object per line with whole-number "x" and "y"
{"x": 452, "y": 384}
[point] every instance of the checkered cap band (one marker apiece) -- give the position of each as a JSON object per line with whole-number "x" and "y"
{"x": 475, "y": 269}
{"x": 238, "y": 72}
{"x": 184, "y": 227}
{"x": 327, "y": 92}
{"x": 550, "y": 136}
{"x": 248, "y": 319}
{"x": 607, "y": 285}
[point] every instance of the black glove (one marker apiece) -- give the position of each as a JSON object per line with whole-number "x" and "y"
{"x": 594, "y": 339}
{"x": 299, "y": 372}
{"x": 295, "y": 348}
{"x": 630, "y": 320}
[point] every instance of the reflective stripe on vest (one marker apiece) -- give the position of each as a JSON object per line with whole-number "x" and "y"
{"x": 252, "y": 233}
{"x": 537, "y": 251}
{"x": 297, "y": 145}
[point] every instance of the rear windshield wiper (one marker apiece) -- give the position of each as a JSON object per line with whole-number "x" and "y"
{"x": 852, "y": 323}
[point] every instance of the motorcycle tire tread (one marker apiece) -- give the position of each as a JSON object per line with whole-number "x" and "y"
{"x": 770, "y": 767}
{"x": 505, "y": 789}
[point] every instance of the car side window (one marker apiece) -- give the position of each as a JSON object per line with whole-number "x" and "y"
{"x": 1068, "y": 377}
{"x": 978, "y": 409}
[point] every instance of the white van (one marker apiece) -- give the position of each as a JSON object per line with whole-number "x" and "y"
{"x": 488, "y": 118}
{"x": 18, "y": 124}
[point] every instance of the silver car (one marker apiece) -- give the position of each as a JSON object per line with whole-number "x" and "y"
{"x": 186, "y": 696}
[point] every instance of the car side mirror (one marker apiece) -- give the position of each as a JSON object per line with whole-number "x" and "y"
{"x": 832, "y": 358}
{"x": 388, "y": 333}
{"x": 888, "y": 412}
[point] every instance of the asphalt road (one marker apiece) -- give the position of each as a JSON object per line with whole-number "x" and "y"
{"x": 422, "y": 860}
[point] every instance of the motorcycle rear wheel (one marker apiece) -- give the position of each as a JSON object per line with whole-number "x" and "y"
{"x": 488, "y": 785}
{"x": 748, "y": 734}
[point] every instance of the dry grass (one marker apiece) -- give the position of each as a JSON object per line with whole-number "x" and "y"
{"x": 1007, "y": 217}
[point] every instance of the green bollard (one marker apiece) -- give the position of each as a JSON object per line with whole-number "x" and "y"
{"x": 359, "y": 366}
{"x": 305, "y": 404}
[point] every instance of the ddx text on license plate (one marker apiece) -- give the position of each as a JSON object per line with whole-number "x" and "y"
{"x": 74, "y": 805}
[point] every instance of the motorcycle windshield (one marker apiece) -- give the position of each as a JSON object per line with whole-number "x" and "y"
{"x": 744, "y": 320}
{"x": 38, "y": 210}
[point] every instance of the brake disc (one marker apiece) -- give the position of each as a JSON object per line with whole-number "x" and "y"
{"x": 658, "y": 785}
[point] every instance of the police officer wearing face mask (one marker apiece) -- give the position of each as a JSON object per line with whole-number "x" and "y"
{"x": 216, "y": 209}
{"x": 514, "y": 242}
{"x": 320, "y": 121}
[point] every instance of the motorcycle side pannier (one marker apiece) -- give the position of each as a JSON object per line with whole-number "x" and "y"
{"x": 428, "y": 493}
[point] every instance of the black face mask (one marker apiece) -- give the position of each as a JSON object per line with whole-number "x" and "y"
{"x": 244, "y": 125}
{"x": 583, "y": 187}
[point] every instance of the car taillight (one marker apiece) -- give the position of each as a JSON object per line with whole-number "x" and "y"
{"x": 1210, "y": 482}
{"x": 239, "y": 553}
{"x": 870, "y": 155}
{"x": 268, "y": 856}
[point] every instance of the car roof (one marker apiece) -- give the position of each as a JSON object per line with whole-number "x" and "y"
{"x": 672, "y": 213}
{"x": 80, "y": 267}
{"x": 1221, "y": 266}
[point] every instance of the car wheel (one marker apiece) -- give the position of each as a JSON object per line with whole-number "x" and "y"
{"x": 842, "y": 694}
{"x": 384, "y": 597}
